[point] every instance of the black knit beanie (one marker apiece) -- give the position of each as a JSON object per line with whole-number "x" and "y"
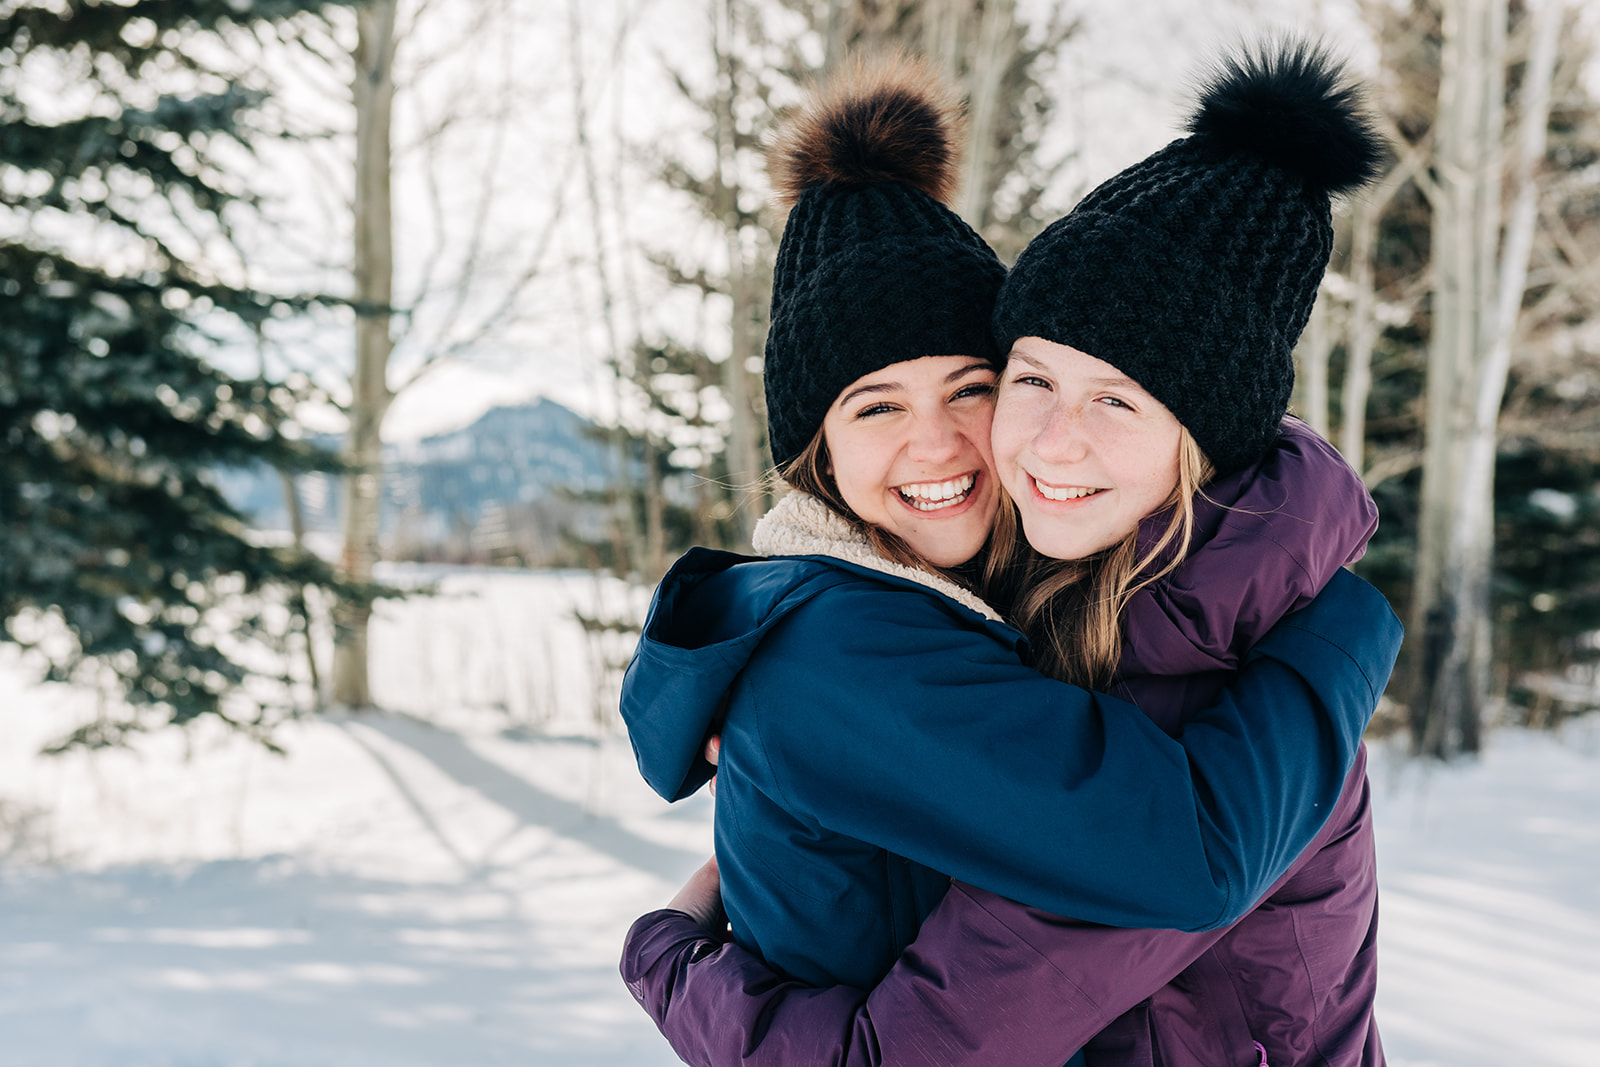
{"x": 1194, "y": 271}
{"x": 873, "y": 268}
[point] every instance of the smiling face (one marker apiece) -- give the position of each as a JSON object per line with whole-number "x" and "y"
{"x": 909, "y": 448}
{"x": 1084, "y": 451}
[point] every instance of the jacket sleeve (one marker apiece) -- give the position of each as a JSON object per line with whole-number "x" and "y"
{"x": 719, "y": 1005}
{"x": 984, "y": 985}
{"x": 1266, "y": 540}
{"x": 1069, "y": 801}
{"x": 987, "y": 983}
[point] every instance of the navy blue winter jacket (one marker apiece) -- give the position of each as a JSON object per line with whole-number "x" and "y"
{"x": 879, "y": 737}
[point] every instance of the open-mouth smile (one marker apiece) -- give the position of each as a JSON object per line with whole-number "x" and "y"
{"x": 1064, "y": 492}
{"x": 938, "y": 496}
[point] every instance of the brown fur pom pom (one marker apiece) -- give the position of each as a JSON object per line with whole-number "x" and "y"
{"x": 889, "y": 119}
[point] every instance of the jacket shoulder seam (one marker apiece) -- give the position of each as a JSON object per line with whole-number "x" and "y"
{"x": 1365, "y": 677}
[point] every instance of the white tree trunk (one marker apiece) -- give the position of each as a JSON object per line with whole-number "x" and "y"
{"x": 1315, "y": 347}
{"x": 373, "y": 91}
{"x": 1362, "y": 336}
{"x": 745, "y": 466}
{"x": 1471, "y": 551}
{"x": 298, "y": 602}
{"x": 1480, "y": 275}
{"x": 632, "y": 546}
{"x": 986, "y": 74}
{"x": 943, "y": 29}
{"x": 1440, "y": 686}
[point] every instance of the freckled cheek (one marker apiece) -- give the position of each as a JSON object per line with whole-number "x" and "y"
{"x": 1134, "y": 444}
{"x": 1016, "y": 422}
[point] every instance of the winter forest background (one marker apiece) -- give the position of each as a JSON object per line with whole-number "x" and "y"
{"x": 362, "y": 365}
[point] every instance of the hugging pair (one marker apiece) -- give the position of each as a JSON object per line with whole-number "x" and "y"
{"x": 1038, "y": 729}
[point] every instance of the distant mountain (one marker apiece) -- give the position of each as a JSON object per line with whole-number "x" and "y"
{"x": 511, "y": 456}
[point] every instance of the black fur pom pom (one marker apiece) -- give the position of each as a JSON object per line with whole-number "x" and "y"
{"x": 1290, "y": 103}
{"x": 887, "y": 120}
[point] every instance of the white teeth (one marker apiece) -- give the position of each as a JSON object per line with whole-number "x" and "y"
{"x": 931, "y": 496}
{"x": 1050, "y": 492}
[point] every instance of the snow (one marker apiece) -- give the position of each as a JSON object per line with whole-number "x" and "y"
{"x": 448, "y": 883}
{"x": 396, "y": 891}
{"x": 1490, "y": 905}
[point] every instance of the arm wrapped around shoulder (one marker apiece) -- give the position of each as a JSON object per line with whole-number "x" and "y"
{"x": 1339, "y": 651}
{"x": 1266, "y": 540}
{"x": 973, "y": 765}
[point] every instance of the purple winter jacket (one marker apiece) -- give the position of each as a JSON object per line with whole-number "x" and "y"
{"x": 990, "y": 981}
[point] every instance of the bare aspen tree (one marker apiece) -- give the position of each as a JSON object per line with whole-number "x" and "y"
{"x": 373, "y": 92}
{"x": 460, "y": 300}
{"x": 1447, "y": 632}
{"x": 654, "y": 447}
{"x": 298, "y": 601}
{"x": 734, "y": 106}
{"x": 632, "y": 544}
{"x": 1404, "y": 101}
{"x": 944, "y": 25}
{"x": 1314, "y": 350}
{"x": 1362, "y": 326}
{"x": 745, "y": 287}
{"x": 1522, "y": 257}
{"x": 985, "y": 77}
{"x": 1362, "y": 337}
{"x": 1479, "y": 263}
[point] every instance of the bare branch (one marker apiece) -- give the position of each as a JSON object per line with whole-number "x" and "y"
{"x": 478, "y": 232}
{"x": 512, "y": 295}
{"x": 1413, "y": 157}
{"x": 1395, "y": 463}
{"x": 1577, "y": 285}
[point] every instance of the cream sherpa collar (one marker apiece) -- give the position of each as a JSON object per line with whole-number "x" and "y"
{"x": 802, "y": 525}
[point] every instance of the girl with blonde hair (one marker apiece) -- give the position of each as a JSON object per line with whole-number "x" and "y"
{"x": 876, "y": 742}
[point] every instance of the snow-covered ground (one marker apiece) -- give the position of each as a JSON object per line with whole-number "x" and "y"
{"x": 449, "y": 884}
{"x": 1490, "y": 906}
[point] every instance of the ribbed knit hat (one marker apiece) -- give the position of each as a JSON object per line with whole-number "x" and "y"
{"x": 873, "y": 268}
{"x": 1194, "y": 271}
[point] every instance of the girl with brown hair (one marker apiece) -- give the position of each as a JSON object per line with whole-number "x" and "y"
{"x": 878, "y": 731}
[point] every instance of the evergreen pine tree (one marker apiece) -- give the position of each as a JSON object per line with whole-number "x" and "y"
{"x": 121, "y": 563}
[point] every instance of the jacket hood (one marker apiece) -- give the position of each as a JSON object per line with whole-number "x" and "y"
{"x": 712, "y": 611}
{"x": 1266, "y": 540}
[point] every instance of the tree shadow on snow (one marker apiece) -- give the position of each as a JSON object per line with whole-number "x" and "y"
{"x": 268, "y": 963}
{"x": 527, "y": 802}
